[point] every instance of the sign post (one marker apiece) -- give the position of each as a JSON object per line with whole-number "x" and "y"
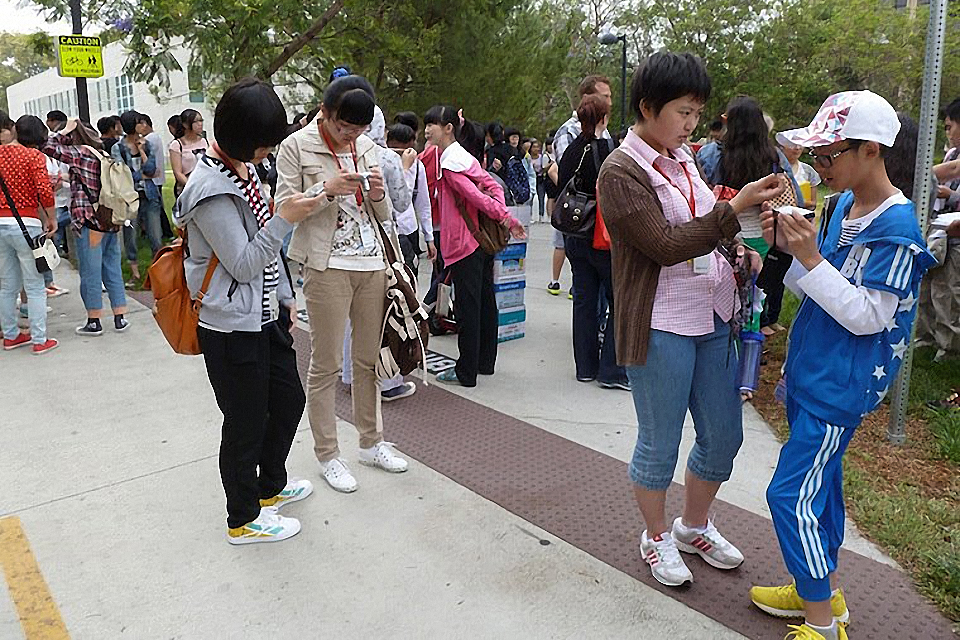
{"x": 929, "y": 101}
{"x": 83, "y": 99}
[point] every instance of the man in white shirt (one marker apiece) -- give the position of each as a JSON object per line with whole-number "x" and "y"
{"x": 566, "y": 134}
{"x": 158, "y": 151}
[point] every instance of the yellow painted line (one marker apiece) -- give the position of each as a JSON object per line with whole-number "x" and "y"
{"x": 39, "y": 614}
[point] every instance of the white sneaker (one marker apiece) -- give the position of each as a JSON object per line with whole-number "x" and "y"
{"x": 268, "y": 527}
{"x": 295, "y": 491}
{"x": 709, "y": 545}
{"x": 338, "y": 476}
{"x": 665, "y": 562}
{"x": 382, "y": 456}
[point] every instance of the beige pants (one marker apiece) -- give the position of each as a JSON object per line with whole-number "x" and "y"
{"x": 332, "y": 296}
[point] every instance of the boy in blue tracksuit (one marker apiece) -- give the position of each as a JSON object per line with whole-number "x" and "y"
{"x": 861, "y": 279}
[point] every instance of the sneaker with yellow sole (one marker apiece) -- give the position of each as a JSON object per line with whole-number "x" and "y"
{"x": 294, "y": 491}
{"x": 805, "y": 632}
{"x": 785, "y": 602}
{"x": 268, "y": 527}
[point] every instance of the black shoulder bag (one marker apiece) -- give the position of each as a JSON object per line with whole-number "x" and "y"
{"x": 575, "y": 212}
{"x": 36, "y": 244}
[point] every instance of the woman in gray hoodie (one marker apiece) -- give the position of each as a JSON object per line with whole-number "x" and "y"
{"x": 248, "y": 311}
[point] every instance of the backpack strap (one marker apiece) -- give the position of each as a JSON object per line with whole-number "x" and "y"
{"x": 16, "y": 214}
{"x": 208, "y": 276}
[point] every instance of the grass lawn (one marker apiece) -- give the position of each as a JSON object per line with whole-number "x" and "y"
{"x": 907, "y": 498}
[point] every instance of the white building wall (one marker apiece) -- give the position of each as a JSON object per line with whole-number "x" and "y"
{"x": 115, "y": 93}
{"x": 110, "y": 95}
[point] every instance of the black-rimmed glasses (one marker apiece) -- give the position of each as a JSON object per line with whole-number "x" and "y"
{"x": 825, "y": 160}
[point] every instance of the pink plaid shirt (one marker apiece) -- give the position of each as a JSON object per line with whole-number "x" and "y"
{"x": 679, "y": 304}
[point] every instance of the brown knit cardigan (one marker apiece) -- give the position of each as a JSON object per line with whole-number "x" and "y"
{"x": 642, "y": 241}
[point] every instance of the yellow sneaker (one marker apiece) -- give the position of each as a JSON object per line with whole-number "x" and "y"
{"x": 785, "y": 602}
{"x": 294, "y": 491}
{"x": 804, "y": 632}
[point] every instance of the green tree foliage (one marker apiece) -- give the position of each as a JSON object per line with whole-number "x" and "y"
{"x": 22, "y": 56}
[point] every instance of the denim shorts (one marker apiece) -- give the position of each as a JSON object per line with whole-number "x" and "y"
{"x": 686, "y": 372}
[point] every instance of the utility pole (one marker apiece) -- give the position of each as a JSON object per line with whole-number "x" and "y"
{"x": 83, "y": 99}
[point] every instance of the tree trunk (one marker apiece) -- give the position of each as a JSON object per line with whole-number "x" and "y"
{"x": 302, "y": 40}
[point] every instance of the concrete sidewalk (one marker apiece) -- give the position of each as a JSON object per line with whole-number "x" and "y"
{"x": 110, "y": 462}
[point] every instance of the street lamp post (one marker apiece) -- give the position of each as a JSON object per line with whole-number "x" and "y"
{"x": 608, "y": 38}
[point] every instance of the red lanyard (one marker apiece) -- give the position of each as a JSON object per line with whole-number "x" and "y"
{"x": 353, "y": 150}
{"x": 692, "y": 200}
{"x": 228, "y": 163}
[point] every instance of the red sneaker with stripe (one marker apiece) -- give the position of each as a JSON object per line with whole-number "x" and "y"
{"x": 708, "y": 544}
{"x": 666, "y": 565}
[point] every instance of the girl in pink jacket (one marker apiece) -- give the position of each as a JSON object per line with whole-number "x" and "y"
{"x": 461, "y": 178}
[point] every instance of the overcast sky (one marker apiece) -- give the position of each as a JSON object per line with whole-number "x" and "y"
{"x": 27, "y": 20}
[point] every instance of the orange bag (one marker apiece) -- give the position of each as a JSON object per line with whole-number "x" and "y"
{"x": 175, "y": 310}
{"x": 601, "y": 238}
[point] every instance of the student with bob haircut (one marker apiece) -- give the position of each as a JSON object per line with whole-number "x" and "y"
{"x": 248, "y": 311}
{"x": 675, "y": 296}
{"x": 344, "y": 268}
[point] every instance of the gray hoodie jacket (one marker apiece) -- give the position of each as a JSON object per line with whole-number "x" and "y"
{"x": 218, "y": 220}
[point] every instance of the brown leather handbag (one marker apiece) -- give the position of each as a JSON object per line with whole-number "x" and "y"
{"x": 177, "y": 312}
{"x": 492, "y": 236}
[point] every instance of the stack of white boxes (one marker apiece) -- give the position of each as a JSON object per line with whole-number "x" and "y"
{"x": 510, "y": 282}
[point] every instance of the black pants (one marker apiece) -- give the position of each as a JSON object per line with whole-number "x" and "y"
{"x": 166, "y": 231}
{"x": 775, "y": 267}
{"x": 254, "y": 377}
{"x": 475, "y": 306}
{"x": 410, "y": 247}
{"x": 439, "y": 273}
{"x": 592, "y": 298}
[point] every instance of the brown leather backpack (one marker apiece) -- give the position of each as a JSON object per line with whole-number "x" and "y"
{"x": 177, "y": 313}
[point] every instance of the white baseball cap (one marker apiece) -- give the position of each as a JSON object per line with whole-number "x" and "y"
{"x": 850, "y": 115}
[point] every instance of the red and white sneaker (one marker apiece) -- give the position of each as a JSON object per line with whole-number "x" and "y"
{"x": 53, "y": 291}
{"x": 664, "y": 559}
{"x": 21, "y": 340}
{"x": 708, "y": 544}
{"x": 49, "y": 345}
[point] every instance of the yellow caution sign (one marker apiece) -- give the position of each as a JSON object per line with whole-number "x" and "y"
{"x": 79, "y": 57}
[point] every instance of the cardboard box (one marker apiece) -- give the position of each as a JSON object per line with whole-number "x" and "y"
{"x": 512, "y": 316}
{"x": 509, "y": 294}
{"x": 513, "y": 251}
{"x": 510, "y": 268}
{"x": 511, "y": 331}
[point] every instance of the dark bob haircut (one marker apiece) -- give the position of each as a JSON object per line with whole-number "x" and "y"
{"x": 106, "y": 124}
{"x": 350, "y": 99}
{"x": 57, "y": 116}
{"x": 901, "y": 159}
{"x": 408, "y": 118}
{"x": 443, "y": 115}
{"x": 249, "y": 116}
{"x": 401, "y": 133}
{"x": 664, "y": 77}
{"x": 31, "y": 132}
{"x": 951, "y": 111}
{"x": 129, "y": 121}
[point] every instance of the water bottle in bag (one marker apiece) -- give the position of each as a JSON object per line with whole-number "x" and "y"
{"x": 751, "y": 348}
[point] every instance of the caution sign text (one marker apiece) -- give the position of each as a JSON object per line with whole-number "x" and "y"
{"x": 79, "y": 57}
